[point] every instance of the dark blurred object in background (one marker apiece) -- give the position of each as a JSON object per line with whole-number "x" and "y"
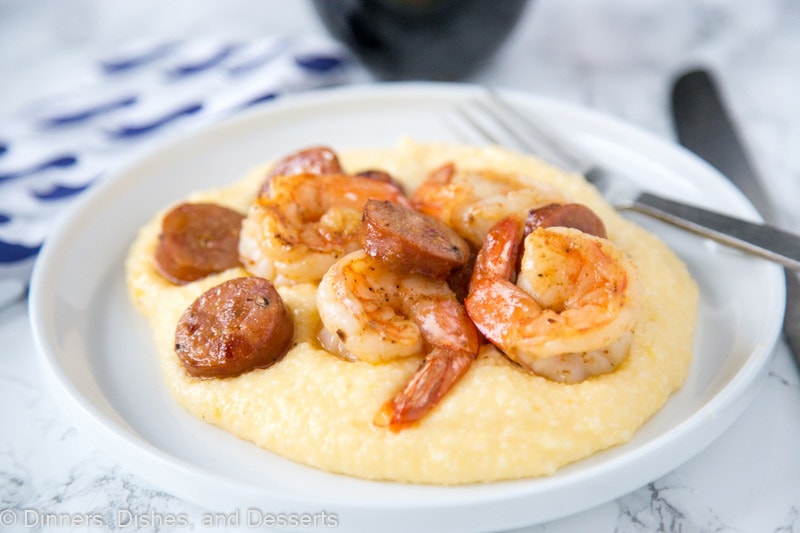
{"x": 441, "y": 40}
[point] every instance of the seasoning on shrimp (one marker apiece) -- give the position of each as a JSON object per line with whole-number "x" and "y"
{"x": 379, "y": 314}
{"x": 573, "y": 308}
{"x": 472, "y": 201}
{"x": 305, "y": 222}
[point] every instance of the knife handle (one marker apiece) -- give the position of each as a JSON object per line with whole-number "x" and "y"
{"x": 791, "y": 320}
{"x": 763, "y": 240}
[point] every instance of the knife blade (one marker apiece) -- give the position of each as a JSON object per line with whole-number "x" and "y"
{"x": 703, "y": 125}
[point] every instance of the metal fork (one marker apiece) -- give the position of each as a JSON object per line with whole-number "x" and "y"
{"x": 494, "y": 120}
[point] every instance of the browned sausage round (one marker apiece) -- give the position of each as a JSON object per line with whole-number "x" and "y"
{"x": 458, "y": 281}
{"x": 233, "y": 328}
{"x": 576, "y": 216}
{"x": 314, "y": 160}
{"x": 410, "y": 241}
{"x": 380, "y": 175}
{"x": 197, "y": 240}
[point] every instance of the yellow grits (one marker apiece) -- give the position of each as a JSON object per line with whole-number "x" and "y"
{"x": 498, "y": 423}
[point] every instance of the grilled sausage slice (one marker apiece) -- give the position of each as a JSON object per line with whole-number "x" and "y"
{"x": 197, "y": 240}
{"x": 576, "y": 216}
{"x": 411, "y": 241}
{"x": 381, "y": 175}
{"x": 314, "y": 160}
{"x": 233, "y": 328}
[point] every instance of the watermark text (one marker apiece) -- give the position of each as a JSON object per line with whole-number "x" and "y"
{"x": 121, "y": 519}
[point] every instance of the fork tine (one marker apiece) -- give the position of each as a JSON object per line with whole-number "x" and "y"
{"x": 526, "y": 128}
{"x": 476, "y": 121}
{"x": 523, "y": 142}
{"x": 466, "y": 115}
{"x": 494, "y": 114}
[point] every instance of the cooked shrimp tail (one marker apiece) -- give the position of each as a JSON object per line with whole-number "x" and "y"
{"x": 381, "y": 314}
{"x": 493, "y": 281}
{"x": 500, "y": 253}
{"x": 437, "y": 375}
{"x": 446, "y": 328}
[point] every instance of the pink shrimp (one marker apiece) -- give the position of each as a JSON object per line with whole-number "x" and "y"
{"x": 572, "y": 310}
{"x": 306, "y": 222}
{"x": 374, "y": 313}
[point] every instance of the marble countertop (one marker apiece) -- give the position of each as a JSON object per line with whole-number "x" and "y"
{"x": 618, "y": 57}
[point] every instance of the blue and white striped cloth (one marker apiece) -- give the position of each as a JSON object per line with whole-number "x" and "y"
{"x": 57, "y": 147}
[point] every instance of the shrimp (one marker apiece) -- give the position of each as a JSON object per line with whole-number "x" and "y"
{"x": 373, "y": 313}
{"x": 471, "y": 202}
{"x": 571, "y": 313}
{"x": 306, "y": 222}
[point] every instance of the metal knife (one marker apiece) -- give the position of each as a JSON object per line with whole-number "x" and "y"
{"x": 704, "y": 126}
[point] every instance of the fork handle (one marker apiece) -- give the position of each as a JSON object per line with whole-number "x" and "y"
{"x": 760, "y": 239}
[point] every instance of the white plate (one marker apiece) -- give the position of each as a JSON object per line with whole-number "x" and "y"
{"x": 99, "y": 353}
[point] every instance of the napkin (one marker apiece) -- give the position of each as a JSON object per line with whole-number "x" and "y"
{"x": 55, "y": 148}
